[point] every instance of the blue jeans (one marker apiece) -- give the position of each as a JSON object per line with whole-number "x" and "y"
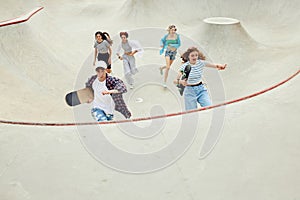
{"x": 171, "y": 54}
{"x": 194, "y": 94}
{"x": 99, "y": 115}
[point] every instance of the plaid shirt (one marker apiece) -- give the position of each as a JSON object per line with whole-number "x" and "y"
{"x": 113, "y": 83}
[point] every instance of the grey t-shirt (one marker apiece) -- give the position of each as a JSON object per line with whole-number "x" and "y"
{"x": 126, "y": 47}
{"x": 102, "y": 47}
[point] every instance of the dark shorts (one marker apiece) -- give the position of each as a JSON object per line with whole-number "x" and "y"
{"x": 171, "y": 54}
{"x": 104, "y": 57}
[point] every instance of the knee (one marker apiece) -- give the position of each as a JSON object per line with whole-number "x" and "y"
{"x": 205, "y": 102}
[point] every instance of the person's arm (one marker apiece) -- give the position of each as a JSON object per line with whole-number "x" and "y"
{"x": 180, "y": 73}
{"x": 177, "y": 80}
{"x": 95, "y": 56}
{"x": 110, "y": 53}
{"x": 118, "y": 50}
{"x": 118, "y": 85}
{"x": 132, "y": 53}
{"x": 162, "y": 41}
{"x": 162, "y": 44}
{"x": 136, "y": 47}
{"x": 216, "y": 66}
{"x": 110, "y": 92}
{"x": 179, "y": 41}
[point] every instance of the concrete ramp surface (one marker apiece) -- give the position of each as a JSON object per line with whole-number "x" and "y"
{"x": 248, "y": 149}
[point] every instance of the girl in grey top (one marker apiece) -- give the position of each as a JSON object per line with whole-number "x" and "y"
{"x": 130, "y": 48}
{"x": 103, "y": 49}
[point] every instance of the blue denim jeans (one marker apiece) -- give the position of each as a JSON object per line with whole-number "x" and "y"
{"x": 99, "y": 115}
{"x": 194, "y": 95}
{"x": 171, "y": 54}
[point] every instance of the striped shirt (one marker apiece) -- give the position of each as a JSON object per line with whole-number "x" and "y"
{"x": 196, "y": 72}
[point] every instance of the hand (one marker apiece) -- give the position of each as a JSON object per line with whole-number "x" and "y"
{"x": 120, "y": 57}
{"x": 105, "y": 92}
{"x": 134, "y": 52}
{"x": 183, "y": 82}
{"x": 221, "y": 67}
{"x": 89, "y": 100}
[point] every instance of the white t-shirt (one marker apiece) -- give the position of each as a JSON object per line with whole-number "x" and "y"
{"x": 104, "y": 102}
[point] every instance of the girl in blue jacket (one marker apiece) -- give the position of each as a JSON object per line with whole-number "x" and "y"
{"x": 169, "y": 43}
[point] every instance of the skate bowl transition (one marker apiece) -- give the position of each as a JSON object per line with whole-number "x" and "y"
{"x": 244, "y": 146}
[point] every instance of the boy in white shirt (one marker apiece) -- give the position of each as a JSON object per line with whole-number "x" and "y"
{"x": 107, "y": 94}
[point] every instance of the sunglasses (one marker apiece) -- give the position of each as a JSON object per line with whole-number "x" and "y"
{"x": 173, "y": 27}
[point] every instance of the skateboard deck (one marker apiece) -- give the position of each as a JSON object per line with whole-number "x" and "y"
{"x": 81, "y": 96}
{"x": 185, "y": 75}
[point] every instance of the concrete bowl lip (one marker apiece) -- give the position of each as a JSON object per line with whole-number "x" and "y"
{"x": 221, "y": 20}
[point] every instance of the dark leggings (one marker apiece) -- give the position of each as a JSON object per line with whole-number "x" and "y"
{"x": 104, "y": 57}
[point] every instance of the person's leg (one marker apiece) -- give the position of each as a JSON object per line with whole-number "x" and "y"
{"x": 127, "y": 72}
{"x": 164, "y": 67}
{"x": 132, "y": 65}
{"x": 161, "y": 70}
{"x": 190, "y": 98}
{"x": 129, "y": 80}
{"x": 104, "y": 57}
{"x": 203, "y": 97}
{"x": 171, "y": 58}
{"x": 98, "y": 114}
{"x": 168, "y": 64}
{"x": 106, "y": 61}
{"x": 110, "y": 117}
{"x": 99, "y": 56}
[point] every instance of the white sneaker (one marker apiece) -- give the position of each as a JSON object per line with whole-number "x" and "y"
{"x": 131, "y": 86}
{"x": 164, "y": 85}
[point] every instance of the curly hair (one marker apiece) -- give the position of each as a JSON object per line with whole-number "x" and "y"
{"x": 171, "y": 26}
{"x": 185, "y": 55}
{"x": 124, "y": 33}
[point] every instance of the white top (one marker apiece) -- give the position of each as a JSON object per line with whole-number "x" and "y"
{"x": 104, "y": 102}
{"x": 135, "y": 45}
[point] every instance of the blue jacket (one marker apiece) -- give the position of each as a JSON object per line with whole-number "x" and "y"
{"x": 163, "y": 43}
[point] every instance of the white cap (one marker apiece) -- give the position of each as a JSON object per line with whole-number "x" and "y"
{"x": 100, "y": 64}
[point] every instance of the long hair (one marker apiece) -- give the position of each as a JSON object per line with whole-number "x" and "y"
{"x": 185, "y": 55}
{"x": 105, "y": 36}
{"x": 108, "y": 39}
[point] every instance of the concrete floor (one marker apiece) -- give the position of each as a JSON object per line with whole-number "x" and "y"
{"x": 246, "y": 150}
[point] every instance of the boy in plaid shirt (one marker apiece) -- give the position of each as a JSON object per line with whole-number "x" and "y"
{"x": 108, "y": 96}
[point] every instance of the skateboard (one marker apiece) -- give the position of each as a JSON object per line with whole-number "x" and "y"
{"x": 81, "y": 96}
{"x": 185, "y": 75}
